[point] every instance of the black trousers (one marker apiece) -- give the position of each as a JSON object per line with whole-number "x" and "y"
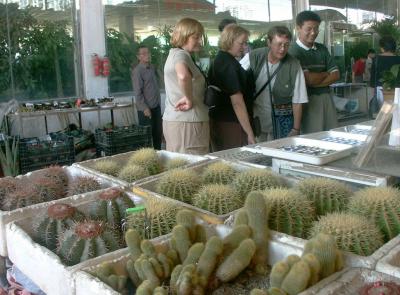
{"x": 156, "y": 125}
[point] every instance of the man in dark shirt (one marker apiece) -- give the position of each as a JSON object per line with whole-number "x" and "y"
{"x": 147, "y": 95}
{"x": 320, "y": 71}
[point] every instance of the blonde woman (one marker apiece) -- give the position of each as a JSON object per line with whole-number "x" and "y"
{"x": 185, "y": 120}
{"x": 230, "y": 119}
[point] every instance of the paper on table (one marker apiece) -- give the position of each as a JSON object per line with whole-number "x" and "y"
{"x": 394, "y": 138}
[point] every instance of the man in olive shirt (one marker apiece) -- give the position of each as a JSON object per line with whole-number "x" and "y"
{"x": 147, "y": 95}
{"x": 319, "y": 71}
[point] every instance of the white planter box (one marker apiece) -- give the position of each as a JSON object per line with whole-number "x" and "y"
{"x": 17, "y": 214}
{"x": 350, "y": 281}
{"x": 40, "y": 264}
{"x": 390, "y": 263}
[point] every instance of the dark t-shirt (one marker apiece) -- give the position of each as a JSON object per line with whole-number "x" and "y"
{"x": 227, "y": 74}
{"x": 380, "y": 64}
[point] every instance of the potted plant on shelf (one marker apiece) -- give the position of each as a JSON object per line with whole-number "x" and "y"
{"x": 390, "y": 80}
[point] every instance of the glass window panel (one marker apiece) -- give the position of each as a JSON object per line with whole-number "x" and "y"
{"x": 37, "y": 39}
{"x": 148, "y": 21}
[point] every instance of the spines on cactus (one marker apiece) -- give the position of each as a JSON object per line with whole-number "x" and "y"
{"x": 176, "y": 163}
{"x": 55, "y": 173}
{"x": 324, "y": 247}
{"x": 352, "y": 232}
{"x": 8, "y": 185}
{"x": 257, "y": 213}
{"x": 58, "y": 219}
{"x": 381, "y": 205}
{"x": 86, "y": 239}
{"x": 131, "y": 173}
{"x": 219, "y": 173}
{"x": 255, "y": 179}
{"x": 24, "y": 196}
{"x": 111, "y": 206}
{"x": 328, "y": 195}
{"x": 157, "y": 220}
{"x": 179, "y": 184}
{"x": 83, "y": 184}
{"x": 290, "y": 213}
{"x": 107, "y": 167}
{"x": 219, "y": 199}
{"x": 48, "y": 189}
{"x": 148, "y": 159}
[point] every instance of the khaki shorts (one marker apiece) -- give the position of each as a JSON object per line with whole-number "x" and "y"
{"x": 187, "y": 137}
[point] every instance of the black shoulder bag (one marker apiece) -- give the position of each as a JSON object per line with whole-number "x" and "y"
{"x": 213, "y": 95}
{"x": 256, "y": 120}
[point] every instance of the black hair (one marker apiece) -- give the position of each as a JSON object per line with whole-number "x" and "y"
{"x": 388, "y": 44}
{"x": 307, "y": 15}
{"x": 371, "y": 51}
{"x": 226, "y": 21}
{"x": 279, "y": 31}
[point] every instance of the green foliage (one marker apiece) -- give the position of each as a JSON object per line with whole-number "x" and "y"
{"x": 9, "y": 156}
{"x": 387, "y": 27}
{"x": 121, "y": 50}
{"x": 41, "y": 54}
{"x": 391, "y": 78}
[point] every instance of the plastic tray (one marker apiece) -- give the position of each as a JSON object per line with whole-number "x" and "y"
{"x": 122, "y": 159}
{"x": 355, "y": 129}
{"x": 243, "y": 154}
{"x": 353, "y": 139}
{"x": 273, "y": 149}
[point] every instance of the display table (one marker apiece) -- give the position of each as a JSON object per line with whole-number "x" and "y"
{"x": 20, "y": 116}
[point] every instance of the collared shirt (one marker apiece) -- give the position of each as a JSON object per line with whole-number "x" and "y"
{"x": 262, "y": 104}
{"x": 145, "y": 87}
{"x": 316, "y": 59}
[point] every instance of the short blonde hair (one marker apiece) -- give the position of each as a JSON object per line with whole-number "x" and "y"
{"x": 185, "y": 28}
{"x": 230, "y": 33}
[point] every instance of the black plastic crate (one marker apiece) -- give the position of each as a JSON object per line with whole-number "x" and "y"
{"x": 122, "y": 139}
{"x": 53, "y": 149}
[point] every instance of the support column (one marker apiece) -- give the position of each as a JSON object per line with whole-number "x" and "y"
{"x": 92, "y": 41}
{"x": 299, "y": 6}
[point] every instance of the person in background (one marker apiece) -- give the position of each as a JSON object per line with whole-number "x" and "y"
{"x": 147, "y": 95}
{"x": 185, "y": 120}
{"x": 381, "y": 63}
{"x": 230, "y": 119}
{"x": 319, "y": 70}
{"x": 226, "y": 21}
{"x": 368, "y": 65}
{"x": 288, "y": 86}
{"x": 358, "y": 70}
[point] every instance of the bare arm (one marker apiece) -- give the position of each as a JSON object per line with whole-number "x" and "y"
{"x": 297, "y": 114}
{"x": 241, "y": 113}
{"x": 331, "y": 78}
{"x": 185, "y": 83}
{"x": 314, "y": 79}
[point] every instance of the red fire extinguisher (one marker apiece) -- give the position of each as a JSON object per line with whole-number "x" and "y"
{"x": 97, "y": 64}
{"x": 106, "y": 66}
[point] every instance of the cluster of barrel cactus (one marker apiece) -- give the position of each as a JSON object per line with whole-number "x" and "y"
{"x": 42, "y": 186}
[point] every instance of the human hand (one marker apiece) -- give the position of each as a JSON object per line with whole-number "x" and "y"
{"x": 184, "y": 104}
{"x": 251, "y": 139}
{"x": 147, "y": 113}
{"x": 293, "y": 132}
